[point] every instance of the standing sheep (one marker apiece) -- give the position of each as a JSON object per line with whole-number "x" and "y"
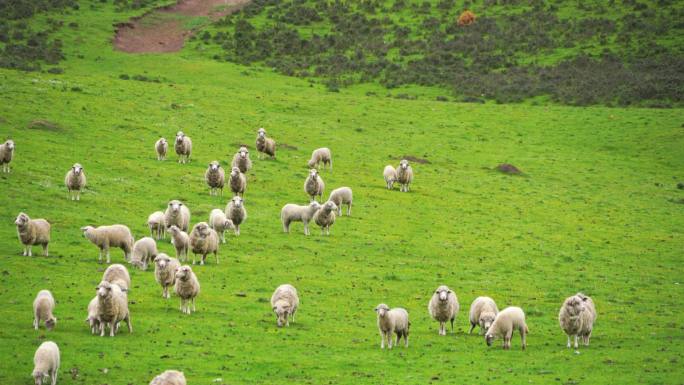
{"x": 105, "y": 237}
{"x": 443, "y": 307}
{"x": 169, "y": 377}
{"x": 161, "y": 147}
{"x": 215, "y": 178}
{"x": 284, "y": 303}
{"x": 325, "y": 217}
{"x": 320, "y": 155}
{"x": 6, "y": 154}
{"x": 187, "y": 288}
{"x": 296, "y": 213}
{"x": 43, "y": 306}
{"x": 483, "y": 312}
{"x": 404, "y": 175}
{"x": 93, "y": 311}
{"x": 390, "y": 174}
{"x": 46, "y": 363}
{"x": 177, "y": 214}
{"x": 204, "y": 240}
{"x": 32, "y": 232}
{"x": 506, "y": 322}
{"x": 112, "y": 304}
{"x": 156, "y": 224}
{"x": 265, "y": 145}
{"x": 181, "y": 242}
{"x": 219, "y": 222}
{"x": 313, "y": 185}
{"x": 118, "y": 274}
{"x": 144, "y": 251}
{"x": 238, "y": 182}
{"x": 241, "y": 160}
{"x": 165, "y": 272}
{"x": 236, "y": 212}
{"x": 391, "y": 322}
{"x": 340, "y": 196}
{"x": 183, "y": 147}
{"x": 576, "y": 318}
{"x": 75, "y": 181}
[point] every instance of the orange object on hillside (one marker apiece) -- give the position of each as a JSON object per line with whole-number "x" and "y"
{"x": 466, "y": 18}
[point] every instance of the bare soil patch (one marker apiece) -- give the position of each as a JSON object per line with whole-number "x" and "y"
{"x": 508, "y": 168}
{"x": 414, "y": 159}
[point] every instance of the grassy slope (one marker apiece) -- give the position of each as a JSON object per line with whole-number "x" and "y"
{"x": 593, "y": 214}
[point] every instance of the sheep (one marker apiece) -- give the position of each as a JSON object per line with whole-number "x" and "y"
{"x": 181, "y": 242}
{"x": 340, "y": 196}
{"x": 144, "y": 250}
{"x": 165, "y": 272}
{"x": 161, "y": 146}
{"x": 75, "y": 181}
{"x": 391, "y": 322}
{"x": 390, "y": 174}
{"x": 32, "y": 232}
{"x": 204, "y": 240}
{"x": 443, "y": 307}
{"x": 320, "y": 155}
{"x": 284, "y": 303}
{"x": 183, "y": 147}
{"x": 187, "y": 287}
{"x": 483, "y": 312}
{"x": 177, "y": 213}
{"x": 43, "y": 306}
{"x": 313, "y": 185}
{"x": 112, "y": 305}
{"x": 6, "y": 154}
{"x": 105, "y": 237}
{"x": 506, "y": 322}
{"x": 238, "y": 182}
{"x": 241, "y": 160}
{"x": 215, "y": 178}
{"x": 156, "y": 224}
{"x": 296, "y": 213}
{"x": 219, "y": 222}
{"x": 236, "y": 212}
{"x": 325, "y": 217}
{"x": 118, "y": 274}
{"x": 404, "y": 175}
{"x": 264, "y": 144}
{"x": 46, "y": 363}
{"x": 92, "y": 320}
{"x": 576, "y": 318}
{"x": 169, "y": 377}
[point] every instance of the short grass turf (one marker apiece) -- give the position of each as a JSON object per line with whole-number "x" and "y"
{"x": 597, "y": 210}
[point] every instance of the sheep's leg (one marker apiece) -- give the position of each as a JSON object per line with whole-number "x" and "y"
{"x": 193, "y": 258}
{"x": 109, "y": 258}
{"x": 389, "y": 338}
{"x": 25, "y": 253}
{"x": 406, "y": 339}
{"x": 472, "y": 327}
{"x": 576, "y": 338}
{"x": 78, "y": 195}
{"x": 569, "y": 344}
{"x": 507, "y": 339}
{"x": 53, "y": 376}
{"x": 35, "y": 323}
{"x": 223, "y": 236}
{"x": 349, "y": 209}
{"x": 113, "y": 326}
{"x": 523, "y": 338}
{"x": 128, "y": 322}
{"x": 452, "y": 324}
{"x": 382, "y": 340}
{"x": 181, "y": 305}
{"x": 306, "y": 228}
{"x": 30, "y": 254}
{"x": 193, "y": 305}
{"x": 398, "y": 339}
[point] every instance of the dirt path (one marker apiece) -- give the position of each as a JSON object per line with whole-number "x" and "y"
{"x": 164, "y": 30}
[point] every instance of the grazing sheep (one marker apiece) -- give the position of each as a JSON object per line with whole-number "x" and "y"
{"x": 32, "y": 232}
{"x": 183, "y": 147}
{"x": 6, "y": 154}
{"x": 204, "y": 240}
{"x": 215, "y": 178}
{"x": 236, "y": 212}
{"x": 219, "y": 222}
{"x": 313, "y": 185}
{"x": 187, "y": 288}
{"x": 404, "y": 175}
{"x": 483, "y": 312}
{"x": 342, "y": 196}
{"x": 169, "y": 377}
{"x": 181, "y": 242}
{"x": 391, "y": 322}
{"x": 325, "y": 217}
{"x": 506, "y": 322}
{"x": 443, "y": 307}
{"x": 238, "y": 182}
{"x": 296, "y": 213}
{"x": 46, "y": 363}
{"x": 105, "y": 237}
{"x": 118, "y": 274}
{"x": 177, "y": 213}
{"x": 162, "y": 147}
{"x": 390, "y": 174}
{"x": 92, "y": 320}
{"x": 144, "y": 251}
{"x": 75, "y": 181}
{"x": 576, "y": 318}
{"x": 43, "y": 306}
{"x": 241, "y": 160}
{"x": 156, "y": 224}
{"x": 264, "y": 144}
{"x": 320, "y": 155}
{"x": 112, "y": 304}
{"x": 284, "y": 303}
{"x": 165, "y": 272}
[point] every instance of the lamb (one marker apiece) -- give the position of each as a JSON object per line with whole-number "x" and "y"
{"x": 238, "y": 182}
{"x": 340, "y": 196}
{"x": 187, "y": 288}
{"x": 576, "y": 318}
{"x": 236, "y": 212}
{"x": 320, "y": 155}
{"x": 219, "y": 222}
{"x": 181, "y": 242}
{"x": 161, "y": 146}
{"x": 241, "y": 160}
{"x": 75, "y": 181}
{"x": 443, "y": 307}
{"x": 404, "y": 175}
{"x": 105, "y": 237}
{"x": 265, "y": 145}
{"x": 92, "y": 320}
{"x": 112, "y": 304}
{"x": 506, "y": 322}
{"x": 313, "y": 185}
{"x": 156, "y": 224}
{"x": 284, "y": 303}
{"x": 390, "y": 175}
{"x": 215, "y": 178}
{"x": 144, "y": 251}
{"x": 391, "y": 322}
{"x": 204, "y": 240}
{"x": 165, "y": 272}
{"x": 6, "y": 154}
{"x": 177, "y": 214}
{"x": 43, "y": 306}
{"x": 32, "y": 232}
{"x": 46, "y": 363}
{"x": 118, "y": 274}
{"x": 296, "y": 213}
{"x": 183, "y": 147}
{"x": 169, "y": 377}
{"x": 483, "y": 312}
{"x": 325, "y": 217}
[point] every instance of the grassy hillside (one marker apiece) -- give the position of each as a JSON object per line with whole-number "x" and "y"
{"x": 597, "y": 210}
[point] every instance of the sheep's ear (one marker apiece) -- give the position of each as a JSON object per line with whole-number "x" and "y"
{"x": 376, "y": 309}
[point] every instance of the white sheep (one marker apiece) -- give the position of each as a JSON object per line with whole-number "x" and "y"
{"x": 443, "y": 307}
{"x": 105, "y": 237}
{"x": 241, "y": 160}
{"x": 204, "y": 240}
{"x": 576, "y": 318}
{"x": 165, "y": 272}
{"x": 46, "y": 363}
{"x": 342, "y": 196}
{"x": 112, "y": 308}
{"x": 320, "y": 155}
{"x": 75, "y": 181}
{"x": 236, "y": 212}
{"x": 219, "y": 222}
{"x": 6, "y": 154}
{"x": 177, "y": 213}
{"x": 118, "y": 274}
{"x": 183, "y": 147}
{"x": 325, "y": 217}
{"x": 390, "y": 175}
{"x": 43, "y": 308}
{"x": 169, "y": 377}
{"x": 181, "y": 242}
{"x": 483, "y": 312}
{"x": 404, "y": 175}
{"x": 296, "y": 213}
{"x": 391, "y": 322}
{"x": 238, "y": 182}
{"x": 93, "y": 311}
{"x": 156, "y": 224}
{"x": 284, "y": 303}
{"x": 264, "y": 144}
{"x": 506, "y": 322}
{"x": 32, "y": 232}
{"x": 187, "y": 287}
{"x": 215, "y": 178}
{"x": 144, "y": 251}
{"x": 161, "y": 146}
{"x": 313, "y": 185}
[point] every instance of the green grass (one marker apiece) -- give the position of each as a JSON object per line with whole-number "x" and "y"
{"x": 594, "y": 212}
